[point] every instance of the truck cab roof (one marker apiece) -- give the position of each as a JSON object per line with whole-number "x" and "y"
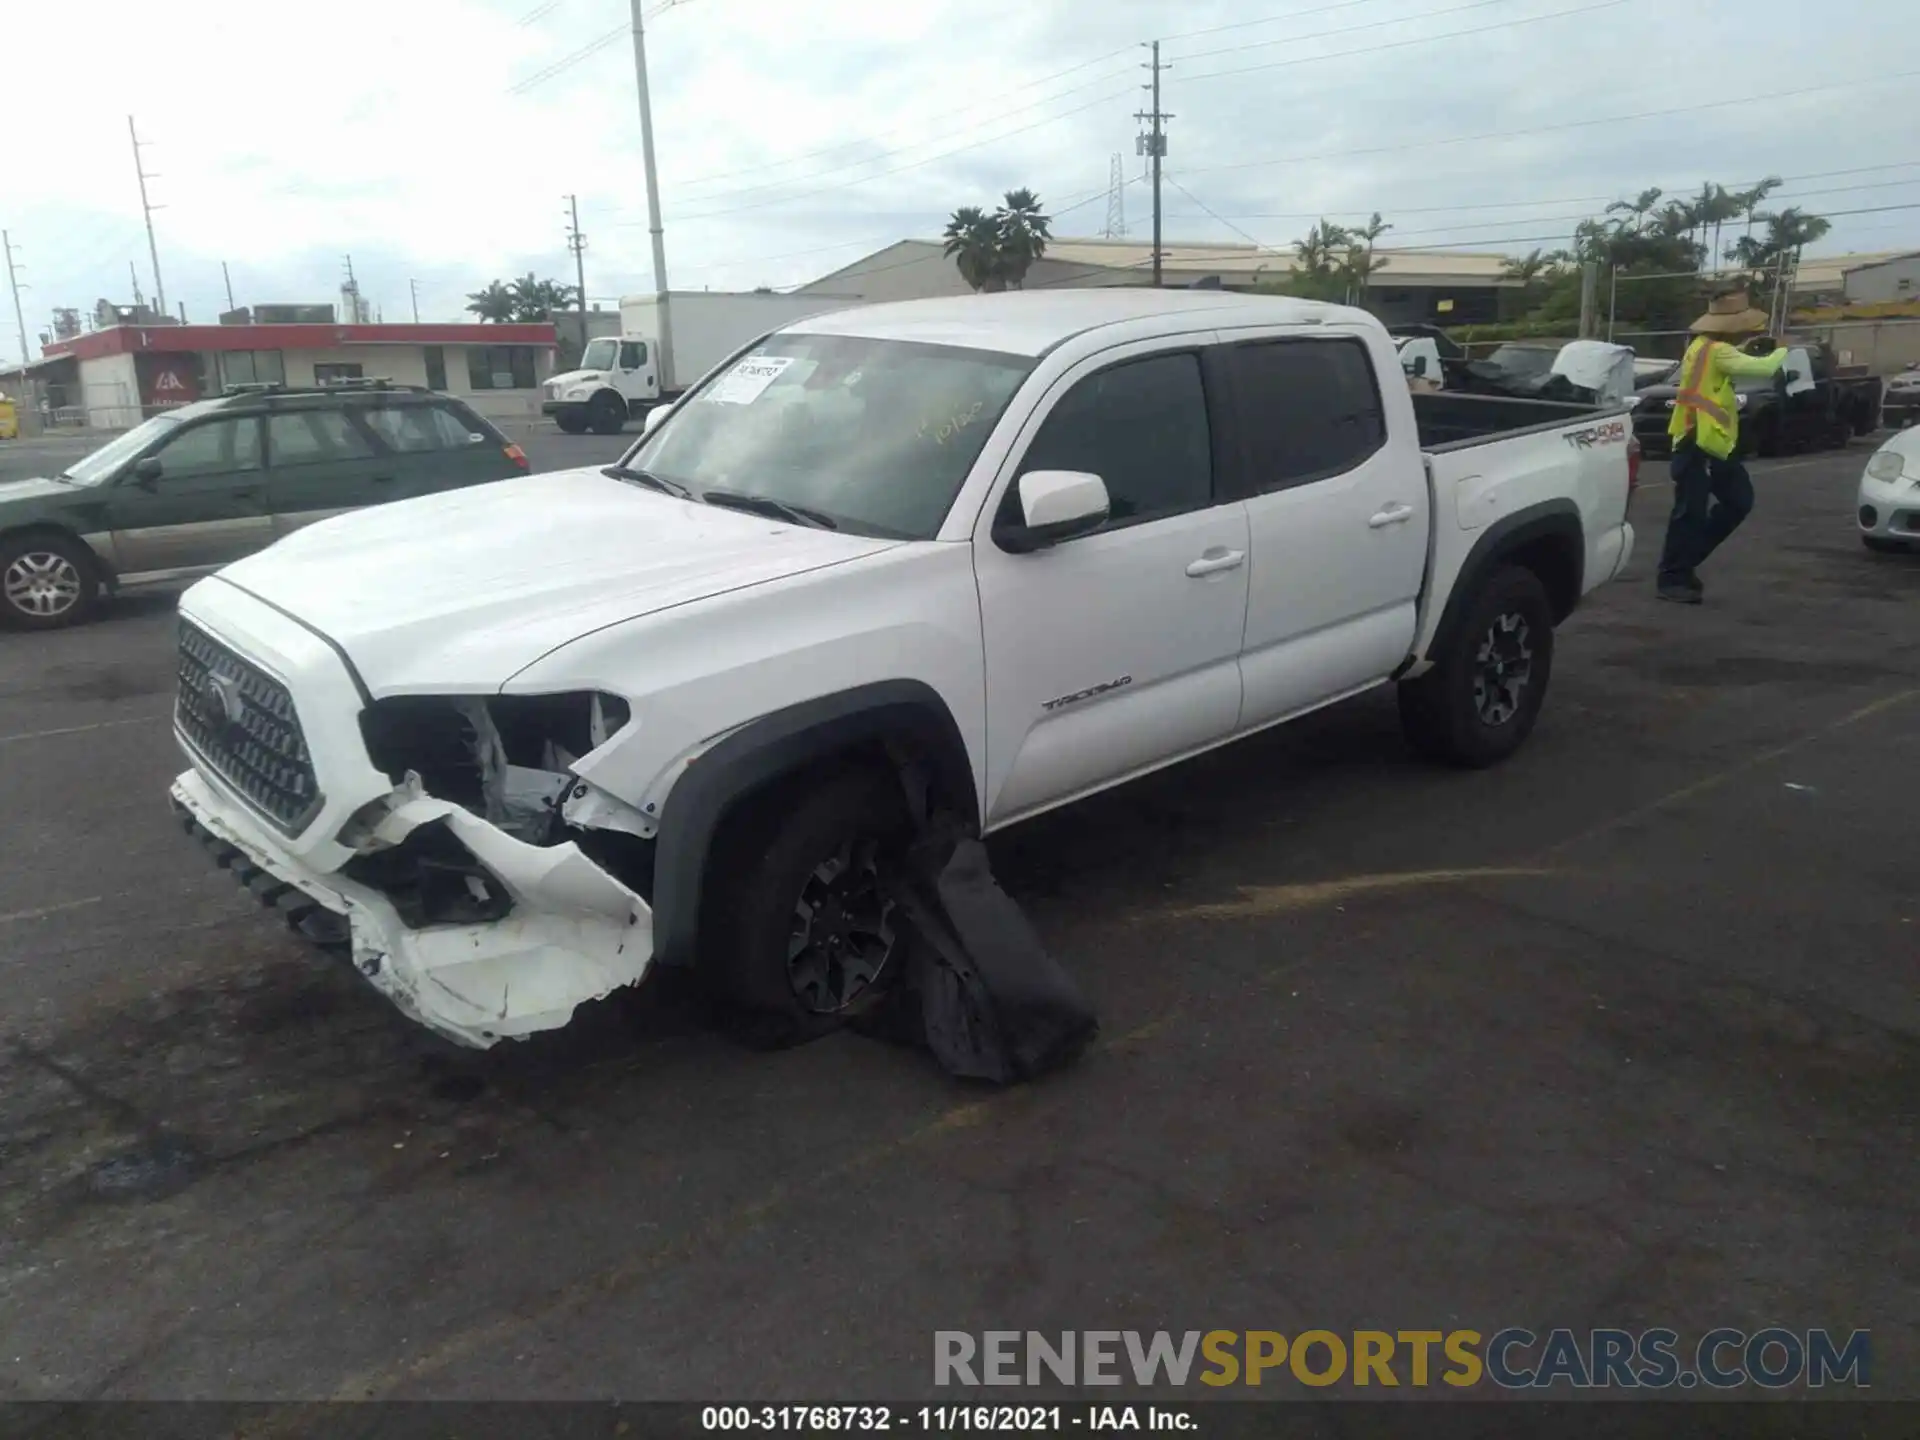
{"x": 1035, "y": 322}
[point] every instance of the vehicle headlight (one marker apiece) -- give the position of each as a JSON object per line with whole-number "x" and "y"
{"x": 579, "y": 392}
{"x": 1886, "y": 465}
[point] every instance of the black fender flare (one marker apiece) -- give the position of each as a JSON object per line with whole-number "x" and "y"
{"x": 908, "y": 716}
{"x": 1550, "y": 519}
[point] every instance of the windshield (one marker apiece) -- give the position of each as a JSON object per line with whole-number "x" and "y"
{"x": 599, "y": 354}
{"x": 111, "y": 456}
{"x": 877, "y": 435}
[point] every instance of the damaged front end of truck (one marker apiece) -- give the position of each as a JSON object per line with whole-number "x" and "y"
{"x": 487, "y": 891}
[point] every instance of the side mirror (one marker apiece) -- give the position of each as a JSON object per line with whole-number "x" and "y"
{"x": 1055, "y": 505}
{"x": 655, "y": 418}
{"x": 146, "y": 470}
{"x": 1420, "y": 366}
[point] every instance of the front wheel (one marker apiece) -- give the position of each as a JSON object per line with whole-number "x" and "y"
{"x": 805, "y": 930}
{"x": 1478, "y": 703}
{"x": 607, "y": 414}
{"x": 571, "y": 422}
{"x": 46, "y": 581}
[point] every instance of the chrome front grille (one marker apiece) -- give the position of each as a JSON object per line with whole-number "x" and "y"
{"x": 241, "y": 722}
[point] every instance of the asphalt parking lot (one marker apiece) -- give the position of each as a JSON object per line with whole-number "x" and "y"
{"x": 1625, "y": 1032}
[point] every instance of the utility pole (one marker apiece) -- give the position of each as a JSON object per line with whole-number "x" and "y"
{"x": 1154, "y": 145}
{"x": 229, "y": 281}
{"x": 147, "y": 208}
{"x": 413, "y": 289}
{"x": 13, "y": 283}
{"x": 577, "y": 243}
{"x": 654, "y": 227}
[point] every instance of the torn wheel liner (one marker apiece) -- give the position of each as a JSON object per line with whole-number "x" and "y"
{"x": 980, "y": 990}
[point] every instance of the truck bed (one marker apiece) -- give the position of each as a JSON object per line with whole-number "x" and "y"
{"x": 1449, "y": 421}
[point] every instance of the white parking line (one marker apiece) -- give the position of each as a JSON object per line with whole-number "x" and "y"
{"x": 80, "y": 729}
{"x": 45, "y": 910}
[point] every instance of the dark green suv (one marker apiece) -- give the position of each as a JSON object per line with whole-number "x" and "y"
{"x": 196, "y": 487}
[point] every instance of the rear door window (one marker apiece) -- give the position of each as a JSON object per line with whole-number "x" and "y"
{"x": 1306, "y": 409}
{"x": 307, "y": 437}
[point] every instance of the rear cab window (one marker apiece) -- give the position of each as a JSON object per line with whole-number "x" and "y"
{"x": 1305, "y": 409}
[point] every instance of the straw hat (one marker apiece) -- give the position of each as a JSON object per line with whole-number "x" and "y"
{"x": 1730, "y": 314}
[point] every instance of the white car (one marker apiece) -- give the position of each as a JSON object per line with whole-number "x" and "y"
{"x": 958, "y": 560}
{"x": 1889, "y": 512}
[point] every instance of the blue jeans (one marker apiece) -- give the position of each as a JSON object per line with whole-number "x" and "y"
{"x": 1710, "y": 498}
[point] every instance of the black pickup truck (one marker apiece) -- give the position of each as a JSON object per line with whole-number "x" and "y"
{"x": 1812, "y": 403}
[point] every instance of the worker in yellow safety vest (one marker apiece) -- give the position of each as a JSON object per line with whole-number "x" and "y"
{"x": 1711, "y": 491}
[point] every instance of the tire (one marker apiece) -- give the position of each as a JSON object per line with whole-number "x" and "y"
{"x": 1478, "y": 703}
{"x": 804, "y": 868}
{"x": 47, "y": 580}
{"x": 1881, "y": 545}
{"x": 606, "y": 414}
{"x": 1766, "y": 436}
{"x": 572, "y": 424}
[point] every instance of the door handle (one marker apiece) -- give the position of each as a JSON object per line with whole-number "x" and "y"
{"x": 1392, "y": 515}
{"x": 1216, "y": 560}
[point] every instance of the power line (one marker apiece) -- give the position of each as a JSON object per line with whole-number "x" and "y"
{"x": 987, "y": 102}
{"x": 1346, "y": 29}
{"x": 1415, "y": 40}
{"x": 915, "y": 145}
{"x": 914, "y": 165}
{"x": 1269, "y": 20}
{"x": 565, "y": 63}
{"x": 1419, "y": 144}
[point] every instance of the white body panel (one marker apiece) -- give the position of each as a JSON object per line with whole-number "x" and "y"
{"x": 1893, "y": 498}
{"x": 1064, "y": 670}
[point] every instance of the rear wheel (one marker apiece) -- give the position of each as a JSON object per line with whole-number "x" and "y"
{"x": 804, "y": 931}
{"x": 1479, "y": 702}
{"x": 607, "y": 414}
{"x": 46, "y": 581}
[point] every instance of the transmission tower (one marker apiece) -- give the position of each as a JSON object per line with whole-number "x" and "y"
{"x": 1116, "y": 227}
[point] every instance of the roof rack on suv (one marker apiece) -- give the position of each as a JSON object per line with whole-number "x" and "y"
{"x": 323, "y": 387}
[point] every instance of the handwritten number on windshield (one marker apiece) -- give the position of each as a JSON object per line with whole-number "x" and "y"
{"x": 941, "y": 433}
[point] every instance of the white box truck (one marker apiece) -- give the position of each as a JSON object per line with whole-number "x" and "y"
{"x": 621, "y": 379}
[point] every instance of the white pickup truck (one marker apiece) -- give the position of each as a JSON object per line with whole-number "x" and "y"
{"x": 972, "y": 557}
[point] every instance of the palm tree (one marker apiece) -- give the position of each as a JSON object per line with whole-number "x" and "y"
{"x": 494, "y": 303}
{"x": 1639, "y": 208}
{"x": 973, "y": 241}
{"x": 535, "y": 299}
{"x": 1023, "y": 233}
{"x": 1749, "y": 201}
{"x": 1361, "y": 265}
{"x": 1316, "y": 252}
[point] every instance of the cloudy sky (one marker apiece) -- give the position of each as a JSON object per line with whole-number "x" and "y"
{"x": 434, "y": 140}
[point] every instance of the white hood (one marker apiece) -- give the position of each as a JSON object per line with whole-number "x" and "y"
{"x": 575, "y": 377}
{"x": 461, "y": 591}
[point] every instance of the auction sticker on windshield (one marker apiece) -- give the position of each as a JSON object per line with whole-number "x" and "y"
{"x": 744, "y": 384}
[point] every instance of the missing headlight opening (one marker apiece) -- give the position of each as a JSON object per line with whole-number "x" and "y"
{"x": 508, "y": 759}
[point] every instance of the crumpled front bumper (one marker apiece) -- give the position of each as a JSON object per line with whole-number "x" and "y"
{"x": 574, "y": 932}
